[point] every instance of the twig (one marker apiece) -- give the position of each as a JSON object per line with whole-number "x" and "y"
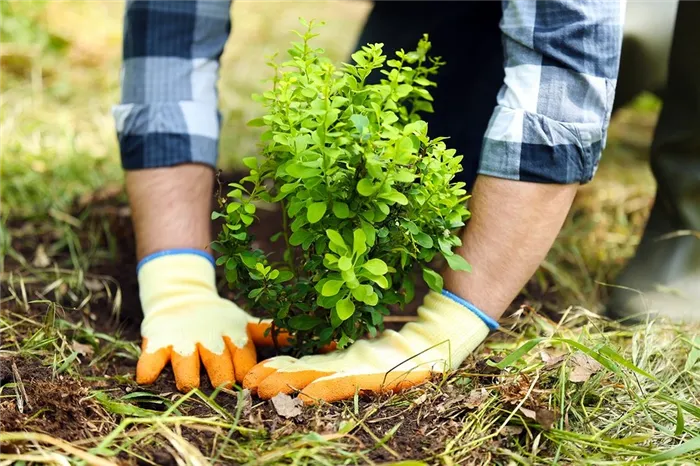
{"x": 21, "y": 392}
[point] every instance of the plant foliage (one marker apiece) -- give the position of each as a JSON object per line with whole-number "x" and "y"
{"x": 368, "y": 198}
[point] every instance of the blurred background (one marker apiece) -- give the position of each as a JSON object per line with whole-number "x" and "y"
{"x": 59, "y": 71}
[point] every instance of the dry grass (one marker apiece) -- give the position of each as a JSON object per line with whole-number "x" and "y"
{"x": 59, "y": 78}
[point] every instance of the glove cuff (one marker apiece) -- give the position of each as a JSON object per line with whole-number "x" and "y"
{"x": 173, "y": 252}
{"x": 490, "y": 322}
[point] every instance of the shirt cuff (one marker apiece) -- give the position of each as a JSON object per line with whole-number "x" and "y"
{"x": 525, "y": 146}
{"x": 167, "y": 133}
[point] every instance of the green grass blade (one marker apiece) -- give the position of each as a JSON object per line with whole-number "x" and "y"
{"x": 517, "y": 354}
{"x": 684, "y": 448}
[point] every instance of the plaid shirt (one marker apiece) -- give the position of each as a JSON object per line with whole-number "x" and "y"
{"x": 549, "y": 124}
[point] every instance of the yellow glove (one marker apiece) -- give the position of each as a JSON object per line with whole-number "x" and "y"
{"x": 185, "y": 322}
{"x": 447, "y": 330}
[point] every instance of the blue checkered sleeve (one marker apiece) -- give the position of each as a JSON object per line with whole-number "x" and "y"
{"x": 553, "y": 110}
{"x": 168, "y": 113}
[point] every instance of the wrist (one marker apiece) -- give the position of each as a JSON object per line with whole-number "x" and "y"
{"x": 174, "y": 277}
{"x": 175, "y": 252}
{"x": 490, "y": 322}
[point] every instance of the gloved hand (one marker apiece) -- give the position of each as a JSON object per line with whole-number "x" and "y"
{"x": 185, "y": 322}
{"x": 447, "y": 330}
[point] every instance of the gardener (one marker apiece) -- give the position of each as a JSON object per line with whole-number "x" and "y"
{"x": 525, "y": 159}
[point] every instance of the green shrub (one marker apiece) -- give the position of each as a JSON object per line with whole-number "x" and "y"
{"x": 368, "y": 198}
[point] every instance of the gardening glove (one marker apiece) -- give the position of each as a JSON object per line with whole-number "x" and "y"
{"x": 447, "y": 330}
{"x": 185, "y": 322}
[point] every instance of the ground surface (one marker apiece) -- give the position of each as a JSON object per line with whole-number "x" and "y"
{"x": 570, "y": 387}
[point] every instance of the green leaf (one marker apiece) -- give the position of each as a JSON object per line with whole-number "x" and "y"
{"x": 257, "y": 122}
{"x": 370, "y": 233}
{"x": 315, "y": 211}
{"x": 335, "y": 319}
{"x": 344, "y": 263}
{"x": 284, "y": 276}
{"x": 394, "y": 197}
{"x": 365, "y": 187}
{"x": 299, "y": 237}
{"x": 359, "y": 244}
{"x": 380, "y": 280}
{"x": 360, "y": 121}
{"x": 341, "y": 209}
{"x": 331, "y": 287}
{"x": 302, "y": 172}
{"x": 335, "y": 238}
{"x": 304, "y": 322}
{"x": 424, "y": 240}
{"x": 376, "y": 267}
{"x": 433, "y": 279}
{"x": 345, "y": 308}
{"x": 457, "y": 262}
{"x": 249, "y": 260}
{"x": 360, "y": 292}
{"x": 250, "y": 162}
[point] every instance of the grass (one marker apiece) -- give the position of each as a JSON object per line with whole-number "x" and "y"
{"x": 67, "y": 393}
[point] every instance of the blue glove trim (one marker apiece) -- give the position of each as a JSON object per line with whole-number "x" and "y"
{"x": 490, "y": 323}
{"x": 172, "y": 252}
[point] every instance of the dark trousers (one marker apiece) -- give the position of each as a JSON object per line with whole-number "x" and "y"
{"x": 675, "y": 162}
{"x": 468, "y": 83}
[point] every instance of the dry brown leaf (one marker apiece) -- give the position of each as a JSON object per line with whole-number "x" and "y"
{"x": 512, "y": 430}
{"x": 476, "y": 397}
{"x": 41, "y": 259}
{"x": 529, "y": 413}
{"x": 82, "y": 349}
{"x": 583, "y": 367}
{"x": 286, "y": 406}
{"x": 545, "y": 417}
{"x": 552, "y": 357}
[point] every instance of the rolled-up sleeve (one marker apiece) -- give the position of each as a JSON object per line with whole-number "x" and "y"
{"x": 553, "y": 110}
{"x": 168, "y": 113}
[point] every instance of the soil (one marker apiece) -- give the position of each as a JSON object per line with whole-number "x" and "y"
{"x": 61, "y": 405}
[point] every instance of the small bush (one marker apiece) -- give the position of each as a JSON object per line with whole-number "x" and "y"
{"x": 368, "y": 198}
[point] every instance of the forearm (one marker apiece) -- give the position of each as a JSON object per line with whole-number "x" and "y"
{"x": 513, "y": 226}
{"x": 171, "y": 207}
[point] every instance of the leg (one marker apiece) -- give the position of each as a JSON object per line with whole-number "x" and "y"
{"x": 675, "y": 161}
{"x": 468, "y": 83}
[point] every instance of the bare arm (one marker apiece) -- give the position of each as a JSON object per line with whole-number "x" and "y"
{"x": 514, "y": 224}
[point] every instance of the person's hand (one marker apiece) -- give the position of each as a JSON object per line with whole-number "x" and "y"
{"x": 445, "y": 333}
{"x": 186, "y": 323}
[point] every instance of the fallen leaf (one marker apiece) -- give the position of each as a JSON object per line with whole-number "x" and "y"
{"x": 82, "y": 349}
{"x": 583, "y": 366}
{"x": 512, "y": 430}
{"x": 420, "y": 400}
{"x": 545, "y": 417}
{"x": 529, "y": 413}
{"x": 552, "y": 358}
{"x": 476, "y": 397}
{"x": 286, "y": 406}
{"x": 41, "y": 259}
